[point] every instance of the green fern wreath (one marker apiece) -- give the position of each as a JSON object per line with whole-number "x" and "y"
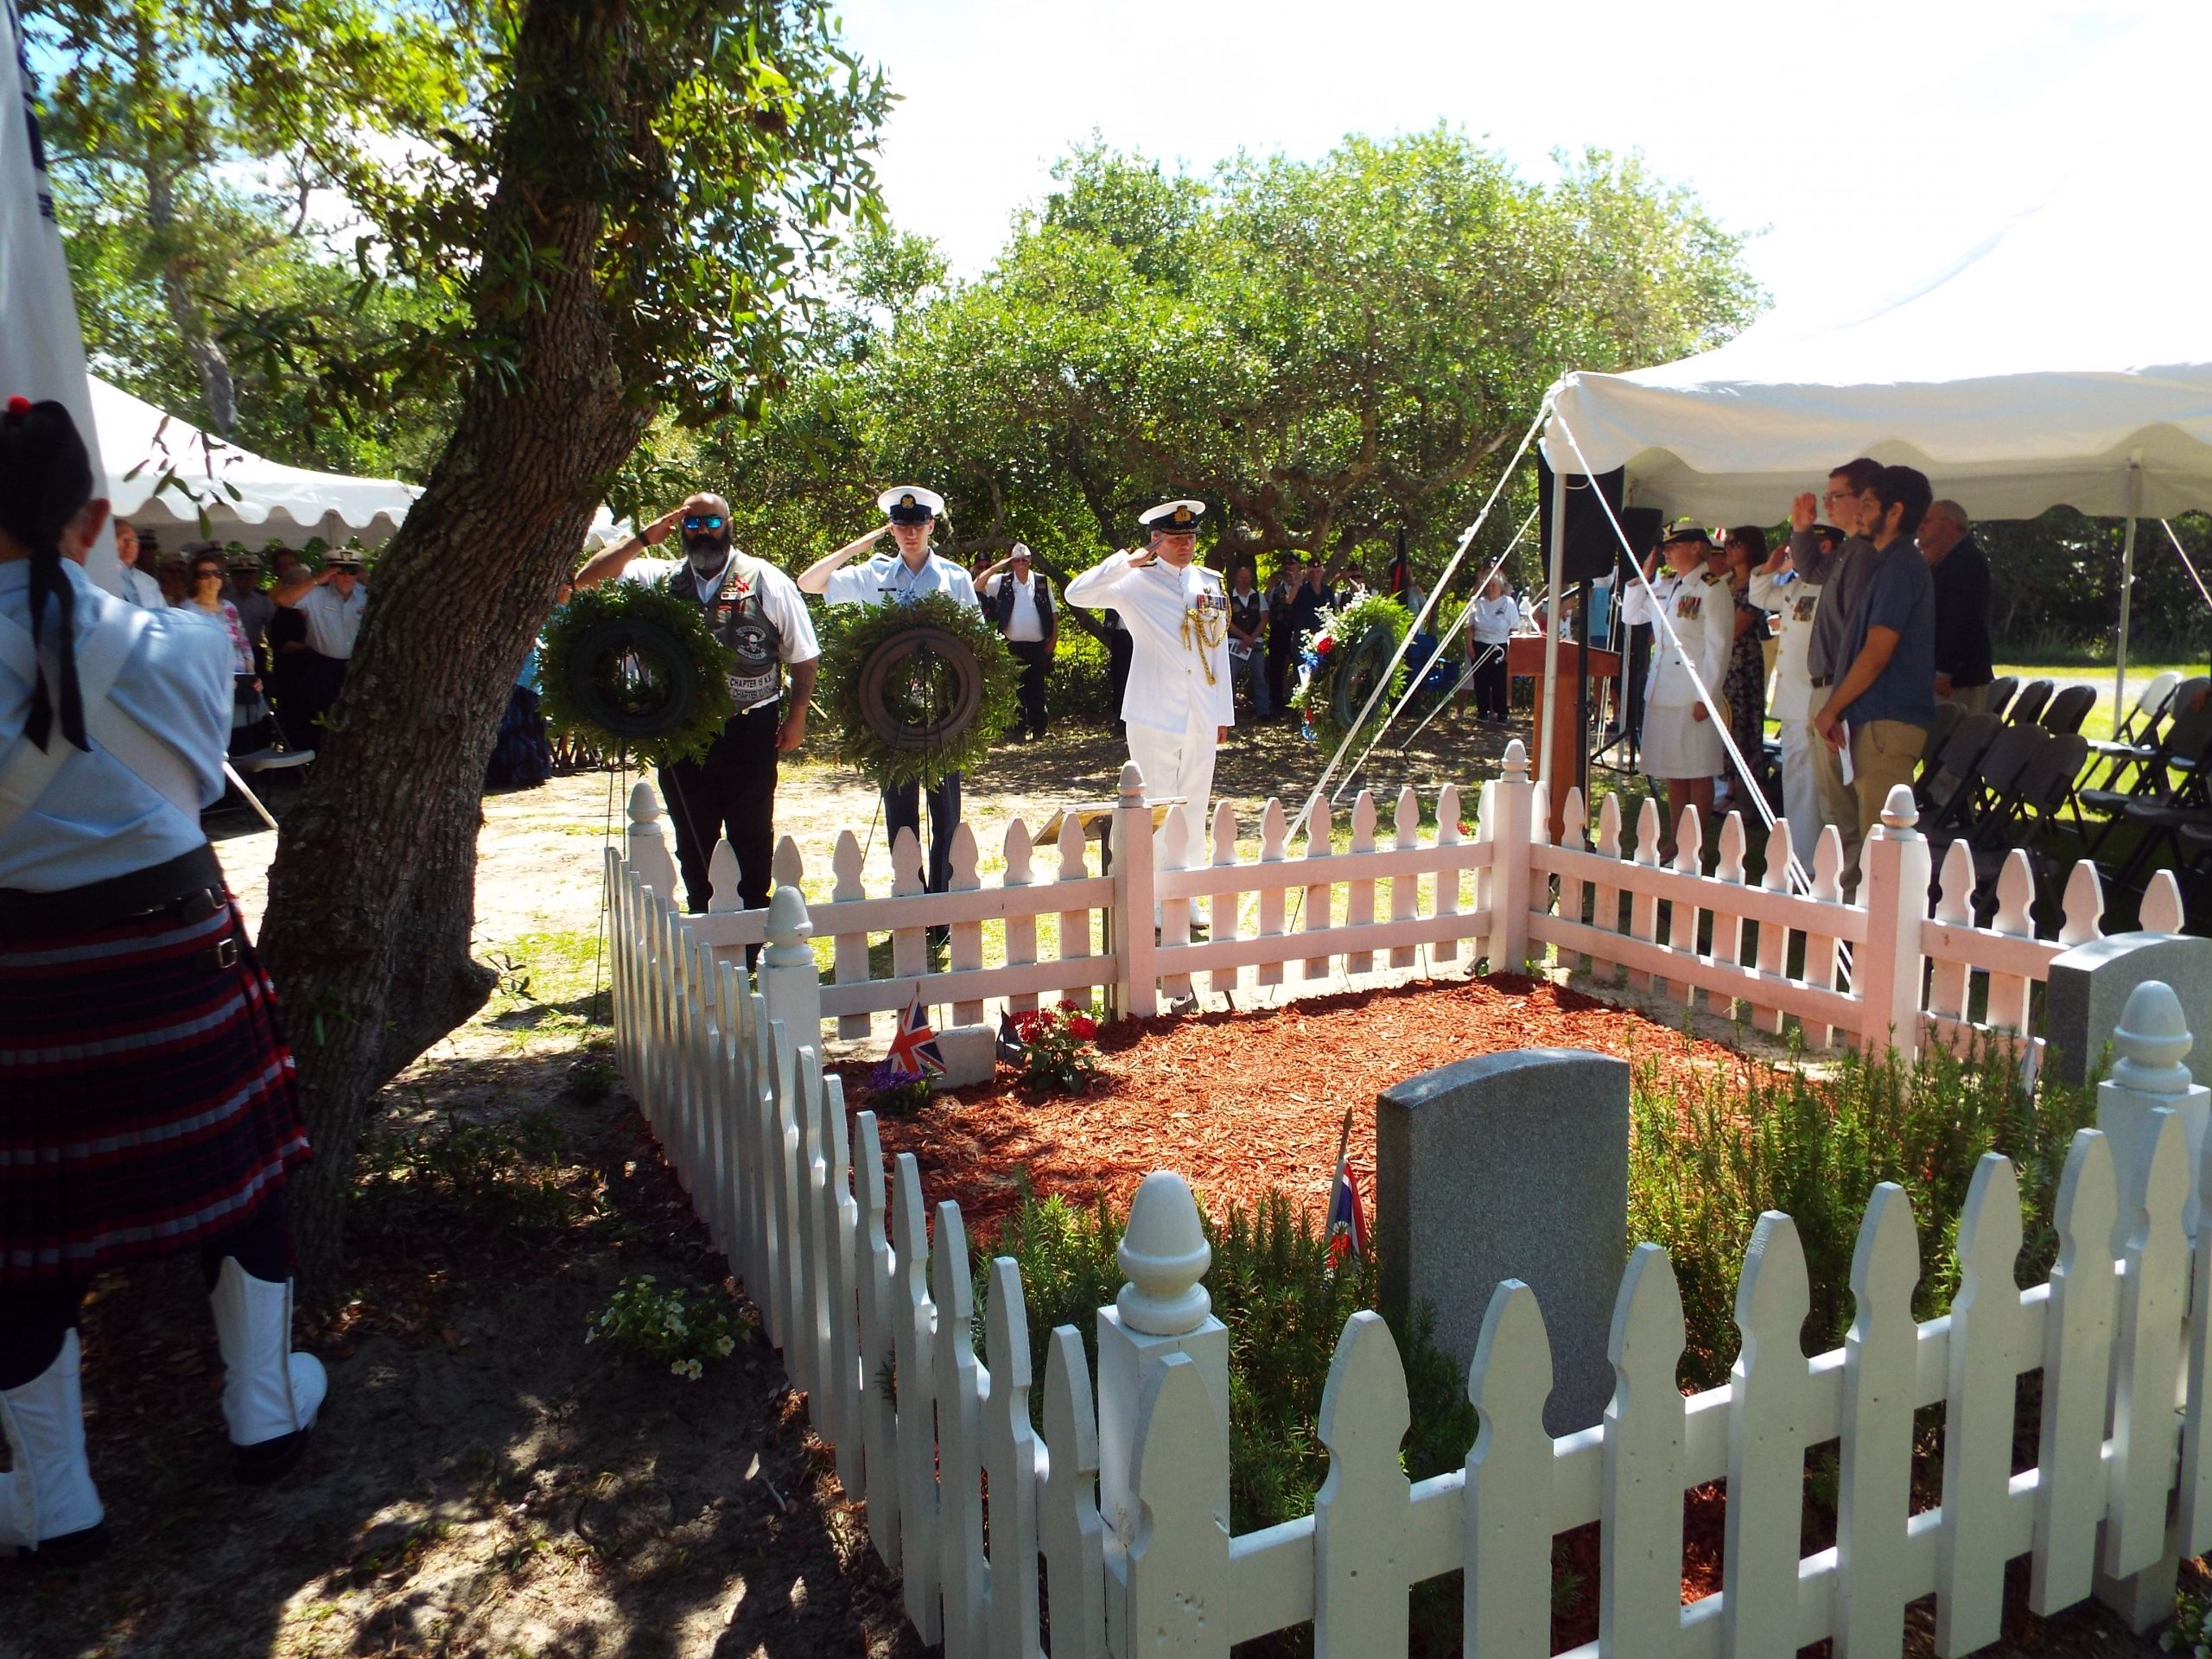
{"x": 630, "y": 666}
{"x": 916, "y": 691}
{"x": 1344, "y": 660}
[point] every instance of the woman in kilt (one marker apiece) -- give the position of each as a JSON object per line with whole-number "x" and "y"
{"x": 148, "y": 1103}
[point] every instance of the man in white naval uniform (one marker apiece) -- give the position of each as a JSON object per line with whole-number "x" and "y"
{"x": 1181, "y": 702}
{"x": 1777, "y": 585}
{"x": 1682, "y": 746}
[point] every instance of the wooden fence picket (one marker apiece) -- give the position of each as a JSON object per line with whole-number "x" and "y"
{"x": 1176, "y": 853}
{"x": 1363, "y": 1512}
{"x": 1075, "y": 925}
{"x": 2194, "y": 1521}
{"x": 1640, "y": 1530}
{"x": 1506, "y": 1612}
{"x": 1644, "y": 905}
{"x": 842, "y": 1375}
{"x": 1773, "y": 960}
{"x": 909, "y": 945}
{"x": 1824, "y": 951}
{"x": 2154, "y": 1292}
{"x": 1768, "y": 1405}
{"x": 849, "y": 951}
{"x": 874, "y": 1268}
{"x": 1020, "y": 922}
{"x": 1986, "y": 1322}
{"x": 2076, "y": 1380}
{"x": 1405, "y": 890}
{"x": 2015, "y": 893}
{"x": 1177, "y": 1561}
{"x": 1686, "y": 917}
{"x": 915, "y": 1322}
{"x": 1880, "y": 1372}
{"x": 1319, "y": 887}
{"x": 1359, "y": 895}
{"x": 1727, "y": 946}
{"x": 1448, "y": 897}
{"x": 959, "y": 1439}
{"x": 811, "y": 1327}
{"x": 1071, "y": 1532}
{"x": 1575, "y": 824}
{"x": 1010, "y": 1458}
{"x": 1605, "y": 900}
{"x": 1275, "y": 848}
{"x": 1222, "y": 910}
{"x": 964, "y": 943}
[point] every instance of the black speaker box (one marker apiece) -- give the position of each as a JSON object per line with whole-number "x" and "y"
{"x": 1591, "y": 546}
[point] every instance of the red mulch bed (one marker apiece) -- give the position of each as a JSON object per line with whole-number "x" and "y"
{"x": 1243, "y": 1103}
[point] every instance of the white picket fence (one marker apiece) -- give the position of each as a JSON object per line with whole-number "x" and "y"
{"x": 1116, "y": 1513}
{"x": 1884, "y": 970}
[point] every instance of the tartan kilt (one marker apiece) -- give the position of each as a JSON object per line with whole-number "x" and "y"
{"x": 148, "y": 1102}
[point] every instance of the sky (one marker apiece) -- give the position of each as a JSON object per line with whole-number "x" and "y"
{"x": 1769, "y": 111}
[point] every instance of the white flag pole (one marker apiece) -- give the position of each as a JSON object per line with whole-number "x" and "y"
{"x": 42, "y": 352}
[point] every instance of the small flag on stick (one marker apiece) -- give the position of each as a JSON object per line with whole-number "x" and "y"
{"x": 914, "y": 1052}
{"x": 1347, "y": 1225}
{"x": 1011, "y": 1048}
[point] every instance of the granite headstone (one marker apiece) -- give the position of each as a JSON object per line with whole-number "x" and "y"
{"x": 1511, "y": 1166}
{"x": 2091, "y": 983}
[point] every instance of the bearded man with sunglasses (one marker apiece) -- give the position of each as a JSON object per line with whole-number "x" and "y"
{"x": 754, "y": 609}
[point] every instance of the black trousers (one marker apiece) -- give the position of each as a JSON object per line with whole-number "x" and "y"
{"x": 1493, "y": 698}
{"x": 1637, "y": 670}
{"x": 729, "y": 792}
{"x": 902, "y": 810}
{"x": 1278, "y": 670}
{"x": 1036, "y": 658}
{"x": 1120, "y": 648}
{"x": 36, "y": 1318}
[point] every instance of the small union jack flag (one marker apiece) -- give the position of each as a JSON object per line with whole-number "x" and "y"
{"x": 1347, "y": 1224}
{"x": 914, "y": 1051}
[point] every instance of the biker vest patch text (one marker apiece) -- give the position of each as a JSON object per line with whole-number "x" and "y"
{"x": 741, "y": 622}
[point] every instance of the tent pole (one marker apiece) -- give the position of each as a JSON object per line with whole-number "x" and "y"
{"x": 2127, "y": 590}
{"x": 1549, "y": 724}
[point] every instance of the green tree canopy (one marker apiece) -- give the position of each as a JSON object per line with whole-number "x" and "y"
{"x": 1326, "y": 350}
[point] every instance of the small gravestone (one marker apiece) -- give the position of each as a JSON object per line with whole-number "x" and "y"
{"x": 2091, "y": 983}
{"x": 972, "y": 1055}
{"x": 1511, "y": 1165}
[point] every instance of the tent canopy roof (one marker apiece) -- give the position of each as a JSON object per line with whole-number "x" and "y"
{"x": 2028, "y": 371}
{"x": 141, "y": 445}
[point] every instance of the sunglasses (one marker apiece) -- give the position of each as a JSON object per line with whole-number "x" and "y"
{"x": 207, "y": 574}
{"x": 702, "y": 521}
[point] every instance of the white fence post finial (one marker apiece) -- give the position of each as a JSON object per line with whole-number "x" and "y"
{"x": 790, "y": 984}
{"x": 1894, "y": 890}
{"x": 646, "y": 845}
{"x": 2151, "y": 1046}
{"x": 1163, "y": 1309}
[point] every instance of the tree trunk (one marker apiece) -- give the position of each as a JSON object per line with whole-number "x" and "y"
{"x": 372, "y": 894}
{"x": 208, "y": 361}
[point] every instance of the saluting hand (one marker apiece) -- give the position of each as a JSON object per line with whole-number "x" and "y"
{"x": 657, "y": 532}
{"x": 1804, "y": 512}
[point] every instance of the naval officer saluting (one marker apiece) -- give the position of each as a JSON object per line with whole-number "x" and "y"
{"x": 901, "y": 578}
{"x": 1181, "y": 702}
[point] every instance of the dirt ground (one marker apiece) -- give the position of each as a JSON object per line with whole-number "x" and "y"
{"x": 483, "y": 1482}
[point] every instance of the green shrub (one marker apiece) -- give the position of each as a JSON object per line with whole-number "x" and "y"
{"x": 1285, "y": 1307}
{"x": 1076, "y": 684}
{"x": 668, "y": 1327}
{"x": 509, "y": 1176}
{"x": 1703, "y": 1167}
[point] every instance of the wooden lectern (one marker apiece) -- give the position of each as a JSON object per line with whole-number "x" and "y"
{"x": 1524, "y": 659}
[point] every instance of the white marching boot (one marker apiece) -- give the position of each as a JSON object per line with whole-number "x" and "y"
{"x": 270, "y": 1395}
{"x": 48, "y": 1508}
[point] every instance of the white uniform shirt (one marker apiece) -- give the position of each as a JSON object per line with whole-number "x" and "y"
{"x": 141, "y": 589}
{"x": 886, "y": 577}
{"x": 1797, "y": 602}
{"x": 1702, "y": 609}
{"x": 1492, "y": 620}
{"x": 96, "y": 818}
{"x": 1176, "y": 678}
{"x": 1025, "y": 627}
{"x": 333, "y": 623}
{"x": 780, "y": 601}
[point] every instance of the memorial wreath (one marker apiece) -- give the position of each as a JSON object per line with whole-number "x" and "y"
{"x": 630, "y": 666}
{"x": 916, "y": 691}
{"x": 1344, "y": 661}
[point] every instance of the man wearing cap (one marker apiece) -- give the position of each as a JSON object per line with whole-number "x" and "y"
{"x": 254, "y": 607}
{"x": 1022, "y": 604}
{"x": 1181, "y": 702}
{"x": 1691, "y": 610}
{"x": 331, "y": 605}
{"x": 911, "y": 573}
{"x": 755, "y": 610}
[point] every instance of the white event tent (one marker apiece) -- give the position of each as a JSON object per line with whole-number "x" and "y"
{"x": 2064, "y": 358}
{"x": 246, "y": 496}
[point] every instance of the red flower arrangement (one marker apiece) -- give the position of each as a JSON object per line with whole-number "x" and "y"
{"x": 1059, "y": 1057}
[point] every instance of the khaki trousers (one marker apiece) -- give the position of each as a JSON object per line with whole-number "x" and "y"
{"x": 1884, "y": 754}
{"x": 1839, "y": 804}
{"x": 1971, "y": 699}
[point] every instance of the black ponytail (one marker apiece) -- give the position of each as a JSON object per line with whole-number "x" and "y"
{"x": 45, "y": 478}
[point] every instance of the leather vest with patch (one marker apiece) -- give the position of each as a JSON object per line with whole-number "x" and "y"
{"x": 741, "y": 623}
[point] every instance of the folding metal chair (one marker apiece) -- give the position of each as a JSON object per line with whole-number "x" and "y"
{"x": 2135, "y": 745}
{"x": 2025, "y": 707}
{"x": 2068, "y": 706}
{"x": 2001, "y": 694}
{"x": 1950, "y": 770}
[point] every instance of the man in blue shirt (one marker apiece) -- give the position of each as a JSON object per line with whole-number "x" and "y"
{"x": 1880, "y": 710}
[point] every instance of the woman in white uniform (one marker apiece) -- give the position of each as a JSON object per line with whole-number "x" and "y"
{"x": 1690, "y": 609}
